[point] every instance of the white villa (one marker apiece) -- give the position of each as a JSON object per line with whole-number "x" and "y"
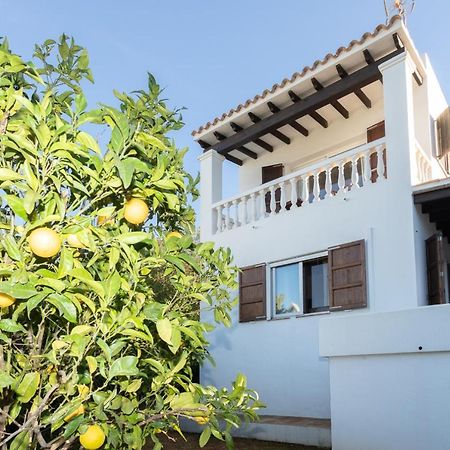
{"x": 341, "y": 229}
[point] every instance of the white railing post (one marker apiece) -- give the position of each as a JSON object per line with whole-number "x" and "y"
{"x": 236, "y": 213}
{"x": 253, "y": 206}
{"x": 262, "y": 196}
{"x": 294, "y": 194}
{"x": 341, "y": 177}
{"x": 227, "y": 216}
{"x": 273, "y": 203}
{"x": 328, "y": 182}
{"x": 282, "y": 196}
{"x": 219, "y": 218}
{"x": 366, "y": 167}
{"x": 305, "y": 193}
{"x": 355, "y": 175}
{"x": 316, "y": 187}
{"x": 380, "y": 163}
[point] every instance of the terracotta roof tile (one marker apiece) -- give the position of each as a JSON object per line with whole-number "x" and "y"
{"x": 297, "y": 75}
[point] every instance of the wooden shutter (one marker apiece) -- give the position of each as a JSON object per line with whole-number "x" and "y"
{"x": 270, "y": 173}
{"x": 252, "y": 293}
{"x": 443, "y": 133}
{"x": 435, "y": 269}
{"x": 347, "y": 276}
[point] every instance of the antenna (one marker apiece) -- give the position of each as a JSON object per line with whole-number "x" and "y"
{"x": 401, "y": 8}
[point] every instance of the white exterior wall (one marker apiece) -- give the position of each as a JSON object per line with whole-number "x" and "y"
{"x": 391, "y": 392}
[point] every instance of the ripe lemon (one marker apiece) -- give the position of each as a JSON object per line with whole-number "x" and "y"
{"x": 6, "y": 300}
{"x": 93, "y": 438}
{"x": 44, "y": 242}
{"x": 74, "y": 241}
{"x": 77, "y": 412}
{"x": 135, "y": 211}
{"x": 174, "y": 234}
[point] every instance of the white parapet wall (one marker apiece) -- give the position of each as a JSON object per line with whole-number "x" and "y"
{"x": 389, "y": 379}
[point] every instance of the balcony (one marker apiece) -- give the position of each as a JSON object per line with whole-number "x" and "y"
{"x": 357, "y": 168}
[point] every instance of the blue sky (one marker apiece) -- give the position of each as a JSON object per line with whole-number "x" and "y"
{"x": 211, "y": 55}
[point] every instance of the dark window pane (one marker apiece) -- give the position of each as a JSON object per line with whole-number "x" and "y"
{"x": 315, "y": 285}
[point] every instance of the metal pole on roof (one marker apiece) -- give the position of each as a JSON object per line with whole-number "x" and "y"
{"x": 401, "y": 8}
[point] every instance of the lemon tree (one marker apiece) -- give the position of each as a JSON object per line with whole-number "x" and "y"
{"x": 101, "y": 279}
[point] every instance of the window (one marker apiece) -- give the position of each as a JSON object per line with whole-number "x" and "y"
{"x": 333, "y": 280}
{"x": 300, "y": 287}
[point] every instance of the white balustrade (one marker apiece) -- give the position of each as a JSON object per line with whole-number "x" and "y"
{"x": 293, "y": 190}
{"x": 424, "y": 168}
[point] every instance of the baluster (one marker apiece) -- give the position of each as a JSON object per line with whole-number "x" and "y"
{"x": 236, "y": 213}
{"x": 273, "y": 203}
{"x": 227, "y": 216}
{"x": 305, "y": 193}
{"x": 282, "y": 196}
{"x": 294, "y": 194}
{"x": 366, "y": 166}
{"x": 341, "y": 177}
{"x": 328, "y": 182}
{"x": 316, "y": 186}
{"x": 380, "y": 163}
{"x": 253, "y": 206}
{"x": 262, "y": 206}
{"x": 355, "y": 175}
{"x": 244, "y": 215}
{"x": 219, "y": 218}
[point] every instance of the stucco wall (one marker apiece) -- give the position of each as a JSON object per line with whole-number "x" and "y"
{"x": 389, "y": 380}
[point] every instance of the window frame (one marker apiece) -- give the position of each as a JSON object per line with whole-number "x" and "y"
{"x": 271, "y": 286}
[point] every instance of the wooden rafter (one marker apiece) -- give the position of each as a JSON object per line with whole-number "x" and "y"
{"x": 278, "y": 134}
{"x": 325, "y": 96}
{"x": 318, "y": 86}
{"x": 314, "y": 114}
{"x": 242, "y": 149}
{"x": 295, "y": 125}
{"x": 358, "y": 92}
{"x": 263, "y": 144}
{"x": 368, "y": 57}
{"x": 205, "y": 146}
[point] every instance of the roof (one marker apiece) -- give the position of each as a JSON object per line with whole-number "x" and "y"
{"x": 295, "y": 77}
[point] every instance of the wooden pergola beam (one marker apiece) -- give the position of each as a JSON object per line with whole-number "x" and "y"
{"x": 318, "y": 86}
{"x": 263, "y": 144}
{"x": 242, "y": 149}
{"x": 334, "y": 91}
{"x": 274, "y": 132}
{"x": 314, "y": 114}
{"x": 205, "y": 146}
{"x": 358, "y": 92}
{"x": 295, "y": 125}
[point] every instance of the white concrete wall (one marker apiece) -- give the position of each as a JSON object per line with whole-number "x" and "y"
{"x": 389, "y": 377}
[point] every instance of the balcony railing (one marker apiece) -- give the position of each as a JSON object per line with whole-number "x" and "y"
{"x": 352, "y": 169}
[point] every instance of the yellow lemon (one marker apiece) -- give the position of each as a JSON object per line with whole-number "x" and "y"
{"x": 77, "y": 412}
{"x": 135, "y": 211}
{"x": 6, "y": 300}
{"x": 44, "y": 242}
{"x": 175, "y": 234}
{"x": 93, "y": 438}
{"x": 74, "y": 241}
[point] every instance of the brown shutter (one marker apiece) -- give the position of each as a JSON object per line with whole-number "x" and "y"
{"x": 443, "y": 133}
{"x": 252, "y": 293}
{"x": 347, "y": 276}
{"x": 435, "y": 269}
{"x": 270, "y": 173}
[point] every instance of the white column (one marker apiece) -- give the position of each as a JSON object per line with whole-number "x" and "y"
{"x": 210, "y": 191}
{"x": 397, "y": 289}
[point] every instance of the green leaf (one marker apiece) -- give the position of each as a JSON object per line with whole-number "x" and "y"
{"x": 6, "y": 379}
{"x": 64, "y": 305}
{"x": 112, "y": 285}
{"x": 11, "y": 326}
{"x": 191, "y": 261}
{"x": 204, "y": 437}
{"x": 21, "y": 441}
{"x": 11, "y": 247}
{"x": 164, "y": 328}
{"x": 126, "y": 171}
{"x": 84, "y": 276}
{"x": 16, "y": 204}
{"x": 65, "y": 262}
{"x": 73, "y": 425}
{"x": 9, "y": 175}
{"x": 30, "y": 177}
{"x": 125, "y": 366}
{"x": 87, "y": 140}
{"x": 92, "y": 364}
{"x": 133, "y": 237}
{"x": 28, "y": 387}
